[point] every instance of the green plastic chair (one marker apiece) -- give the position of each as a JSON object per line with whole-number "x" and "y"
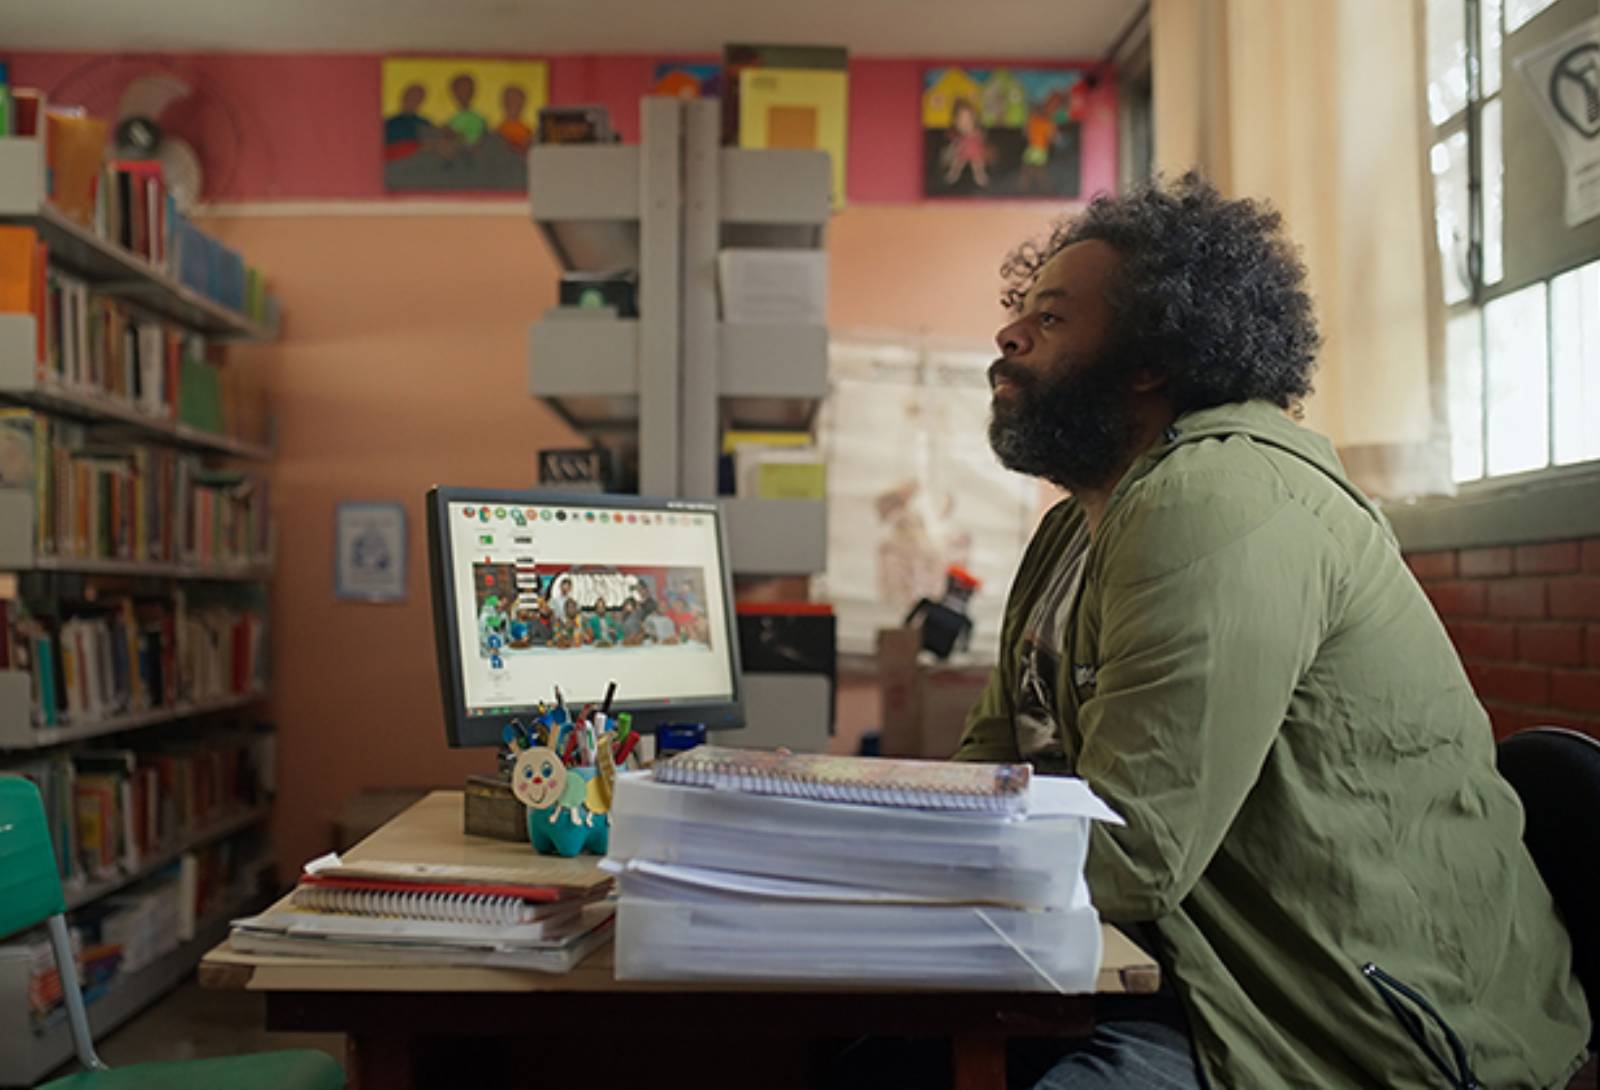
{"x": 30, "y": 892}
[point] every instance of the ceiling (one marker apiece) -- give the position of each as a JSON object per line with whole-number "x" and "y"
{"x": 956, "y": 29}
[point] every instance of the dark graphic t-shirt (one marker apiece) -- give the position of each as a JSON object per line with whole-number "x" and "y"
{"x": 1043, "y": 640}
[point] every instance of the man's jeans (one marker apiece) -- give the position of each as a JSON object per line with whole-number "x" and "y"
{"x": 1148, "y": 1055}
{"x": 1140, "y": 1043}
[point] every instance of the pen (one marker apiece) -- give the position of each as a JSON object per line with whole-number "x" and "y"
{"x": 560, "y": 701}
{"x": 627, "y": 748}
{"x": 611, "y": 693}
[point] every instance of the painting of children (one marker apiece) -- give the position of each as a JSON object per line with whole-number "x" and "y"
{"x": 996, "y": 132}
{"x": 437, "y": 130}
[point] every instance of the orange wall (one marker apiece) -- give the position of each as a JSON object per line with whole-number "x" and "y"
{"x": 403, "y": 365}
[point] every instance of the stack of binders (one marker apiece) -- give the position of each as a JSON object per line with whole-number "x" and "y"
{"x": 743, "y": 865}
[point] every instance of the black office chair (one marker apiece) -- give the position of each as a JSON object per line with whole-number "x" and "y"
{"x": 1556, "y": 773}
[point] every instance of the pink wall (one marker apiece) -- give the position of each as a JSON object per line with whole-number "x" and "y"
{"x": 403, "y": 362}
{"x": 403, "y": 366}
{"x": 305, "y": 126}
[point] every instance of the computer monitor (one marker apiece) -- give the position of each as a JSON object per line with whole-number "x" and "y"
{"x": 533, "y": 590}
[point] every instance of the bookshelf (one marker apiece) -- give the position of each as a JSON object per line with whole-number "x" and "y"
{"x": 18, "y": 554}
{"x": 79, "y": 416}
{"x": 28, "y": 1056}
{"x": 18, "y": 733}
{"x": 20, "y": 382}
{"x": 103, "y": 263}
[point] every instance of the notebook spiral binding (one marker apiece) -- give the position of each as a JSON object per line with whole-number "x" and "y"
{"x": 467, "y": 908}
{"x": 685, "y": 771}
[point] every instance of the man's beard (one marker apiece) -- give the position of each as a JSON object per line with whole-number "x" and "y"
{"x": 1074, "y": 431}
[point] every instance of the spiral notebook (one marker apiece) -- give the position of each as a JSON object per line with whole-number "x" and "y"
{"x": 862, "y": 781}
{"x": 281, "y": 931}
{"x": 410, "y": 918}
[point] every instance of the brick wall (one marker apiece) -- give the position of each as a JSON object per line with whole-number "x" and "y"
{"x": 1526, "y": 621}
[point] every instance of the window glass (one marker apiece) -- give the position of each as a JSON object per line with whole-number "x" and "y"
{"x": 1575, "y": 364}
{"x": 1447, "y": 59}
{"x": 1452, "y": 215}
{"x": 1489, "y": 47}
{"x": 1464, "y": 353}
{"x": 1518, "y": 395}
{"x": 1518, "y": 12}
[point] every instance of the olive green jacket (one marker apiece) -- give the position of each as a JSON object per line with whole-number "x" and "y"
{"x": 1265, "y": 694}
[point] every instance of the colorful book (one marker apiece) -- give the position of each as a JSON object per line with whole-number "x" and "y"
{"x": 862, "y": 781}
{"x": 75, "y": 150}
{"x": 19, "y": 251}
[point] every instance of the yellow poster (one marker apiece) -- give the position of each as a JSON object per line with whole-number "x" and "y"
{"x": 796, "y": 108}
{"x": 460, "y": 123}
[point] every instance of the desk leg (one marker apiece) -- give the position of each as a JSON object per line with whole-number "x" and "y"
{"x": 378, "y": 1061}
{"x": 979, "y": 1061}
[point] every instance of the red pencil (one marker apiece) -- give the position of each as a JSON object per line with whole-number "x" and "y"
{"x": 627, "y": 747}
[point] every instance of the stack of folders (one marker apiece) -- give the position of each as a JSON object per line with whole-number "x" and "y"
{"x": 735, "y": 864}
{"x": 404, "y": 915}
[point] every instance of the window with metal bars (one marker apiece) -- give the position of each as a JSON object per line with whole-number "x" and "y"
{"x": 1523, "y": 366}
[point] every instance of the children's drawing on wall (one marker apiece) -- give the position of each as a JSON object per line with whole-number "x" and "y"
{"x": 994, "y": 132}
{"x": 459, "y": 123}
{"x": 913, "y": 487}
{"x": 687, "y": 79}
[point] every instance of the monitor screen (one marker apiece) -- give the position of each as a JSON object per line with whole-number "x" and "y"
{"x": 535, "y": 590}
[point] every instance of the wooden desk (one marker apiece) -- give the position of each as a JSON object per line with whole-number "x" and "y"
{"x": 386, "y": 1011}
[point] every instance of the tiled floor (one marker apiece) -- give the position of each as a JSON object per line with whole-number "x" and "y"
{"x": 191, "y": 1023}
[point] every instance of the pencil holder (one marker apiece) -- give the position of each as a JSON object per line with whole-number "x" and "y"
{"x": 565, "y": 815}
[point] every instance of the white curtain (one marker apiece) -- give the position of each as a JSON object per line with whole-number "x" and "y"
{"x": 914, "y": 488}
{"x": 1319, "y": 106}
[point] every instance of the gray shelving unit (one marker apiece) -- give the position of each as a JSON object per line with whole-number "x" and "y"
{"x": 667, "y": 382}
{"x": 665, "y": 385}
{"x": 27, "y": 1056}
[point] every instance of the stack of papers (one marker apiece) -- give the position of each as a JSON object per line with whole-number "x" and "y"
{"x": 393, "y": 915}
{"x": 725, "y": 884}
{"x": 416, "y": 893}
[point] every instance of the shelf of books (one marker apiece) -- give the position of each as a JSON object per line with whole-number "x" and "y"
{"x": 154, "y": 383}
{"x": 78, "y": 506}
{"x": 36, "y": 1041}
{"x": 122, "y": 662}
{"x": 114, "y": 225}
{"x": 134, "y": 552}
{"x": 157, "y": 846}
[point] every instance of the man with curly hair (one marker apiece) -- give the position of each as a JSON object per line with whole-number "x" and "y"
{"x": 1218, "y": 633}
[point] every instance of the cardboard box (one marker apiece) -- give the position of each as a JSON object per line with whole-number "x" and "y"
{"x": 925, "y": 704}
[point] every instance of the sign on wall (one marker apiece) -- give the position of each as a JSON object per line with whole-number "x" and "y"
{"x": 369, "y": 552}
{"x": 1564, "y": 77}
